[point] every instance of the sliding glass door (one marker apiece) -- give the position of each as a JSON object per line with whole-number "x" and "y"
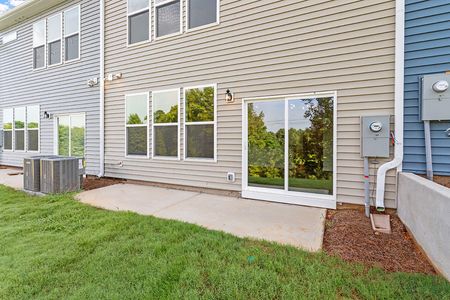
{"x": 70, "y": 138}
{"x": 289, "y": 146}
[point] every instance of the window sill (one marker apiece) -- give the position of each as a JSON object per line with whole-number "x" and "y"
{"x": 139, "y": 44}
{"x": 203, "y": 27}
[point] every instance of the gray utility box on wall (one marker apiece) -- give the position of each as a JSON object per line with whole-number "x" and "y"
{"x": 32, "y": 173}
{"x": 435, "y": 97}
{"x": 60, "y": 175}
{"x": 375, "y": 131}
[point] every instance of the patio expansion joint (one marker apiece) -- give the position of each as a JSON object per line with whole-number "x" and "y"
{"x": 176, "y": 203}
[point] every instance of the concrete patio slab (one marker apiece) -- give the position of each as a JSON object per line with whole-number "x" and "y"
{"x": 12, "y": 178}
{"x": 298, "y": 226}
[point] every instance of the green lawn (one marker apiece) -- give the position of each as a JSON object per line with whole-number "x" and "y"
{"x": 54, "y": 247}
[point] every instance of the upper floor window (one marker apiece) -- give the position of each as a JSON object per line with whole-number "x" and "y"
{"x": 72, "y": 33}
{"x": 202, "y": 13}
{"x": 9, "y": 37}
{"x": 138, "y": 21}
{"x": 54, "y": 44}
{"x": 39, "y": 44}
{"x": 168, "y": 17}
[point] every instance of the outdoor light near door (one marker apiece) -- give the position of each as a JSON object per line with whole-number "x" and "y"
{"x": 229, "y": 97}
{"x": 46, "y": 115}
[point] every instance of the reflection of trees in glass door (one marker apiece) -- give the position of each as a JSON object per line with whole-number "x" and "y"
{"x": 71, "y": 135}
{"x": 306, "y": 163}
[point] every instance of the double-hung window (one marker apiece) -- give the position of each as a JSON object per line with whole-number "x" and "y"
{"x": 8, "y": 117}
{"x": 138, "y": 21}
{"x": 33, "y": 114}
{"x": 202, "y": 13}
{"x": 39, "y": 29}
{"x": 165, "y": 108}
{"x": 19, "y": 128}
{"x": 200, "y": 122}
{"x": 54, "y": 44}
{"x": 136, "y": 120}
{"x": 72, "y": 33}
{"x": 167, "y": 17}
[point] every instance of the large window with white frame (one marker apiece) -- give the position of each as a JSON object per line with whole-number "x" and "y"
{"x": 138, "y": 12}
{"x": 19, "y": 128}
{"x": 202, "y": 13}
{"x": 71, "y": 130}
{"x": 136, "y": 123}
{"x": 54, "y": 44}
{"x": 200, "y": 122}
{"x": 33, "y": 120}
{"x": 167, "y": 17}
{"x": 8, "y": 119}
{"x": 39, "y": 37}
{"x": 165, "y": 108}
{"x": 72, "y": 33}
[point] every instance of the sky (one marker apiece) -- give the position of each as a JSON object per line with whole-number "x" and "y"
{"x": 6, "y": 5}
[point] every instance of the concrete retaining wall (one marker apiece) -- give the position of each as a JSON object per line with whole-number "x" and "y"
{"x": 424, "y": 207}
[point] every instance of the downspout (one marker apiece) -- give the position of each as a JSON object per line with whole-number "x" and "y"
{"x": 399, "y": 101}
{"x": 102, "y": 88}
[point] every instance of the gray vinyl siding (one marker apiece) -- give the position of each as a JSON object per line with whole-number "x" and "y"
{"x": 260, "y": 48}
{"x": 60, "y": 89}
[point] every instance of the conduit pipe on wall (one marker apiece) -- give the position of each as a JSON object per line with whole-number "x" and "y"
{"x": 102, "y": 88}
{"x": 399, "y": 101}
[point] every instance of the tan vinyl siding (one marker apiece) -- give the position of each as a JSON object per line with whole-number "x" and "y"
{"x": 60, "y": 89}
{"x": 260, "y": 48}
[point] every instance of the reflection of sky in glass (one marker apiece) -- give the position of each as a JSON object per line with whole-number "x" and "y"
{"x": 77, "y": 121}
{"x": 273, "y": 114}
{"x": 33, "y": 114}
{"x": 19, "y": 114}
{"x": 297, "y": 109}
{"x": 7, "y": 115}
{"x": 137, "y": 104}
{"x": 164, "y": 101}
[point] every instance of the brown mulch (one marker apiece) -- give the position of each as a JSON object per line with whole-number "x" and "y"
{"x": 349, "y": 235}
{"x": 442, "y": 180}
{"x": 92, "y": 182}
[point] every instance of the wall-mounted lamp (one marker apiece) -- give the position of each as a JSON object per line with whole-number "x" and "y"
{"x": 229, "y": 97}
{"x": 46, "y": 115}
{"x": 112, "y": 77}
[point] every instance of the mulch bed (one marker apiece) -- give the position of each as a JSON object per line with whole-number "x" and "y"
{"x": 349, "y": 235}
{"x": 442, "y": 180}
{"x": 92, "y": 182}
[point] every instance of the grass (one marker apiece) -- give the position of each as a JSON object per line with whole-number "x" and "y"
{"x": 54, "y": 247}
{"x": 302, "y": 183}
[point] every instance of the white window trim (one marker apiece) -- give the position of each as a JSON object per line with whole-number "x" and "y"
{"x": 51, "y": 41}
{"x": 33, "y": 129}
{"x": 12, "y": 35}
{"x": 209, "y": 160}
{"x": 55, "y": 131}
{"x": 155, "y": 31}
{"x": 203, "y": 26}
{"x": 149, "y": 24}
{"x": 147, "y": 94}
{"x": 45, "y": 46}
{"x": 8, "y": 130}
{"x": 178, "y": 157}
{"x": 285, "y": 196}
{"x": 66, "y": 36}
{"x": 21, "y": 129}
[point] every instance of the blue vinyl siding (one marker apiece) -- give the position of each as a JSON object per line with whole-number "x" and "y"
{"x": 427, "y": 51}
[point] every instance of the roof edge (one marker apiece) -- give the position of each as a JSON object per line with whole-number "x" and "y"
{"x": 25, "y": 11}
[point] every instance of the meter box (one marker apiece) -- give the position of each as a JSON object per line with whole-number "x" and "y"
{"x": 375, "y": 131}
{"x": 435, "y": 97}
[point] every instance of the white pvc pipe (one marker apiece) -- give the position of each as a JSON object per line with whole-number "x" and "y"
{"x": 102, "y": 88}
{"x": 399, "y": 100}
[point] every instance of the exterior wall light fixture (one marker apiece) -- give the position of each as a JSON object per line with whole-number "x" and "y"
{"x": 229, "y": 97}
